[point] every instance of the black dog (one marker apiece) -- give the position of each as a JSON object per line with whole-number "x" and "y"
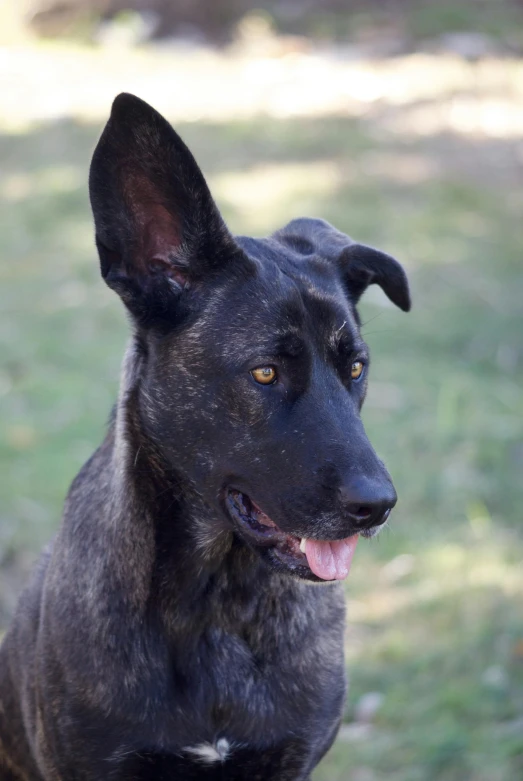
{"x": 172, "y": 631}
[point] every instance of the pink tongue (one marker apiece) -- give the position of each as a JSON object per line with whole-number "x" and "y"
{"x": 331, "y": 560}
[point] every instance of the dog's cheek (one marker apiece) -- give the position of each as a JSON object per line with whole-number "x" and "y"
{"x": 245, "y": 403}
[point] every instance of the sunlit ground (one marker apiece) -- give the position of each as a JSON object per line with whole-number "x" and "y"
{"x": 425, "y": 93}
{"x": 420, "y": 155}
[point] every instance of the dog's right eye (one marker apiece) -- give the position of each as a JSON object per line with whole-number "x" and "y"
{"x": 264, "y": 375}
{"x": 357, "y": 370}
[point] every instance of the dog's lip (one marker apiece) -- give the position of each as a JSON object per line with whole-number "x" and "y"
{"x": 254, "y": 522}
{"x": 304, "y": 557}
{"x": 261, "y": 532}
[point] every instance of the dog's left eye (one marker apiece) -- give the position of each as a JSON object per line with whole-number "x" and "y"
{"x": 357, "y": 370}
{"x": 265, "y": 375}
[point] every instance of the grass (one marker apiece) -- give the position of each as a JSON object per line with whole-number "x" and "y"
{"x": 436, "y": 603}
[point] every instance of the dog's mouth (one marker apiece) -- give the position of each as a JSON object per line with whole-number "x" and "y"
{"x": 307, "y": 558}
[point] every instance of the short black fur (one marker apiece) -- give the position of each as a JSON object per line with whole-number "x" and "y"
{"x": 165, "y": 634}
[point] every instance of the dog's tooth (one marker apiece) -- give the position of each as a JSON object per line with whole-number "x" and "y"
{"x": 302, "y": 544}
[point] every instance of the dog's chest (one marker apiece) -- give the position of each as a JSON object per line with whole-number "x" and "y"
{"x": 253, "y": 694}
{"x": 267, "y": 679}
{"x": 220, "y": 761}
{"x": 252, "y": 714}
{"x": 246, "y": 700}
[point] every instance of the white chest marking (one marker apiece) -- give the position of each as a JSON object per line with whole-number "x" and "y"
{"x": 210, "y": 752}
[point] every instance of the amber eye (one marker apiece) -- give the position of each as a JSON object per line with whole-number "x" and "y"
{"x": 265, "y": 375}
{"x": 356, "y": 370}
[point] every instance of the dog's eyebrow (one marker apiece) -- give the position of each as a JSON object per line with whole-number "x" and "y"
{"x": 346, "y": 339}
{"x": 291, "y": 344}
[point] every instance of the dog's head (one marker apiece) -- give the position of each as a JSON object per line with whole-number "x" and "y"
{"x": 254, "y": 368}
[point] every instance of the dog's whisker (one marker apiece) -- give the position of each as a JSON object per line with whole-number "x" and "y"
{"x": 381, "y": 331}
{"x": 379, "y": 314}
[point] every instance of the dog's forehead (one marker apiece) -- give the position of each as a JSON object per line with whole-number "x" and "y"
{"x": 300, "y": 286}
{"x": 303, "y": 264}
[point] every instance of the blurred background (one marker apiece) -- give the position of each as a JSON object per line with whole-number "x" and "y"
{"x": 400, "y": 121}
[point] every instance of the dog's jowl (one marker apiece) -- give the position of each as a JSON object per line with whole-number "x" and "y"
{"x": 173, "y": 629}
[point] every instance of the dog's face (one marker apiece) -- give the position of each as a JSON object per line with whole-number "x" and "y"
{"x": 254, "y": 369}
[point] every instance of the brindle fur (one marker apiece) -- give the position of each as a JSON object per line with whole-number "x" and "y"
{"x": 149, "y": 626}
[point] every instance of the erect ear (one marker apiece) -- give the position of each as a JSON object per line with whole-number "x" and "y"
{"x": 360, "y": 265}
{"x": 158, "y": 230}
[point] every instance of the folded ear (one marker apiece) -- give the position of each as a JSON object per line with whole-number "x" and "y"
{"x": 360, "y": 265}
{"x": 158, "y": 230}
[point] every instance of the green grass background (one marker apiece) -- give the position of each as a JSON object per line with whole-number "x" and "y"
{"x": 435, "y": 604}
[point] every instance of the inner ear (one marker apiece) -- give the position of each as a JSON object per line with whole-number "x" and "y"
{"x": 146, "y": 267}
{"x": 158, "y": 232}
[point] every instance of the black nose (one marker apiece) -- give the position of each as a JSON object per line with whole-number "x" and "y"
{"x": 367, "y": 502}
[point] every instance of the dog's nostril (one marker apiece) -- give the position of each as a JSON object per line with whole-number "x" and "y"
{"x": 365, "y": 516}
{"x": 361, "y": 512}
